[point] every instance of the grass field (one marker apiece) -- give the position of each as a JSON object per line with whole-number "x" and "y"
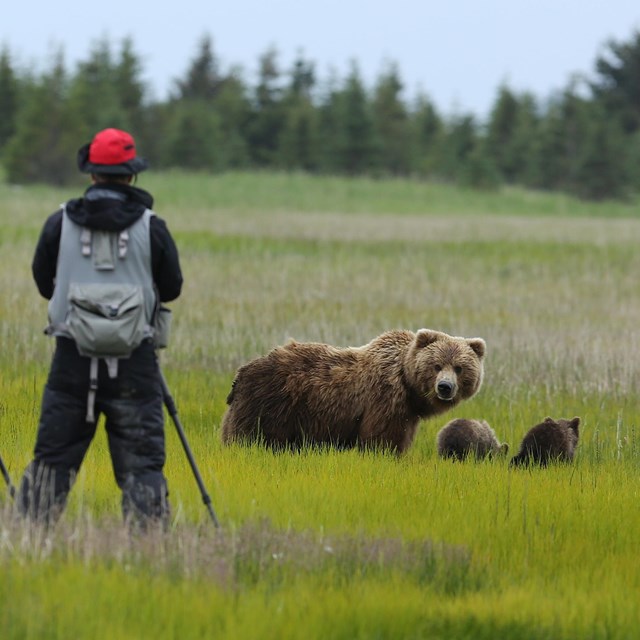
{"x": 328, "y": 544}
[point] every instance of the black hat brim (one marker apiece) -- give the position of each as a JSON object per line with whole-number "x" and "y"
{"x": 131, "y": 167}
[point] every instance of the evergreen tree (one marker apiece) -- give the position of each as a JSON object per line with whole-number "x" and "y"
{"x": 548, "y": 153}
{"x": 582, "y": 149}
{"x": 9, "y": 89}
{"x": 192, "y": 137}
{"x": 601, "y": 171}
{"x": 425, "y": 138}
{"x": 303, "y": 78}
{"x": 478, "y": 170}
{"x": 501, "y": 130}
{"x": 465, "y": 158}
{"x": 574, "y": 111}
{"x": 298, "y": 143}
{"x": 556, "y": 151}
{"x": 511, "y": 135}
{"x": 459, "y": 141}
{"x": 207, "y": 117}
{"x": 633, "y": 161}
{"x": 391, "y": 122}
{"x": 618, "y": 81}
{"x": 203, "y": 80}
{"x": 150, "y": 135}
{"x": 327, "y": 124}
{"x": 129, "y": 86}
{"x": 44, "y": 146}
{"x": 93, "y": 92}
{"x": 268, "y": 115}
{"x": 234, "y": 112}
{"x": 524, "y": 138}
{"x": 352, "y": 144}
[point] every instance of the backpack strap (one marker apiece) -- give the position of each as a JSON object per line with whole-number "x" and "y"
{"x": 112, "y": 368}
{"x": 93, "y": 388}
{"x": 98, "y": 245}
{"x": 85, "y": 242}
{"x": 123, "y": 242}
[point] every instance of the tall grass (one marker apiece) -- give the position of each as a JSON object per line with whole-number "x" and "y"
{"x": 343, "y": 544}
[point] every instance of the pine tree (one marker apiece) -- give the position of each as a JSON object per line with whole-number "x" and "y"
{"x": 548, "y": 152}
{"x": 523, "y": 141}
{"x": 601, "y": 171}
{"x": 459, "y": 141}
{"x": 268, "y": 115}
{"x": 299, "y": 138}
{"x": 501, "y": 130}
{"x": 350, "y": 132}
{"x": 9, "y": 90}
{"x": 203, "y": 80}
{"x": 233, "y": 109}
{"x": 617, "y": 84}
{"x": 192, "y": 137}
{"x": 94, "y": 93}
{"x": 129, "y": 87}
{"x": 426, "y": 134}
{"x": 44, "y": 146}
{"x": 391, "y": 122}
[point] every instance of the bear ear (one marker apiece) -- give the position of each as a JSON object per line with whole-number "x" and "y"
{"x": 426, "y": 337}
{"x": 504, "y": 448}
{"x": 478, "y": 346}
{"x": 574, "y": 424}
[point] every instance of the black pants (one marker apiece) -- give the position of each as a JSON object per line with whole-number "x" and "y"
{"x": 132, "y": 404}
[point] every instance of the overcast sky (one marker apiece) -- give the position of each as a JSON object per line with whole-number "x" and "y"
{"x": 458, "y": 52}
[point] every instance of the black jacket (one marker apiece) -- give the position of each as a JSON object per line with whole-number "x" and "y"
{"x": 110, "y": 207}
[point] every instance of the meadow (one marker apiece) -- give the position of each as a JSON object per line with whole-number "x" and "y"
{"x": 331, "y": 544}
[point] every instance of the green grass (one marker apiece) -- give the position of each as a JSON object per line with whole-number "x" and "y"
{"x": 327, "y": 544}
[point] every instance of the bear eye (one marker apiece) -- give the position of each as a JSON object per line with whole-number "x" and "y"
{"x": 458, "y": 370}
{"x": 438, "y": 368}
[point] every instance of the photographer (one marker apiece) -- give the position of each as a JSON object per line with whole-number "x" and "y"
{"x": 109, "y": 240}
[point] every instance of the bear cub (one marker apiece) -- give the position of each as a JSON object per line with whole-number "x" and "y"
{"x": 463, "y": 437}
{"x": 373, "y": 396}
{"x": 549, "y": 441}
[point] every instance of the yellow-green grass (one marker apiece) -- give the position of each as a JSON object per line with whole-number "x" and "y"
{"x": 342, "y": 544}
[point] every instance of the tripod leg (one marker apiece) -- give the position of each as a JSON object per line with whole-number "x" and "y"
{"x": 173, "y": 412}
{"x": 7, "y": 479}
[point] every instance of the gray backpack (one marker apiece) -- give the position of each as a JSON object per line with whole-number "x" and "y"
{"x": 105, "y": 300}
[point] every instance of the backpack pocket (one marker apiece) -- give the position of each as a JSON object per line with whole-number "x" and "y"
{"x": 106, "y": 320}
{"x": 162, "y": 327}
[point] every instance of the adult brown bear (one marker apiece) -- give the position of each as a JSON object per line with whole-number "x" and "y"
{"x": 369, "y": 397}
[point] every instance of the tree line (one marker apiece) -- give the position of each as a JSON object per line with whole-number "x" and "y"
{"x": 584, "y": 140}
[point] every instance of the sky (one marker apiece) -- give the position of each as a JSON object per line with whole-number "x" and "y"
{"x": 457, "y": 52}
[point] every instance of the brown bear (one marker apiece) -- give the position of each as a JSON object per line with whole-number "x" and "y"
{"x": 368, "y": 397}
{"x": 462, "y": 437}
{"x": 551, "y": 440}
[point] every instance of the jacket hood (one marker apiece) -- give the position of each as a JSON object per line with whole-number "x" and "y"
{"x": 109, "y": 206}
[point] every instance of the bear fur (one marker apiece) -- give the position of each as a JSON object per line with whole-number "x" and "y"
{"x": 462, "y": 437}
{"x": 551, "y": 440}
{"x": 371, "y": 396}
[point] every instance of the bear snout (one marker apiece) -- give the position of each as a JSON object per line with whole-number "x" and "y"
{"x": 446, "y": 389}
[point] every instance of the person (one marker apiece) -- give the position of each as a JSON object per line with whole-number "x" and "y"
{"x": 127, "y": 391}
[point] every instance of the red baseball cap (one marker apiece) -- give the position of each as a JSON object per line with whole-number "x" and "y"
{"x": 111, "y": 152}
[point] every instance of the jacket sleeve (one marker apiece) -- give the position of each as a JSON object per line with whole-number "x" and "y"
{"x": 45, "y": 259}
{"x": 165, "y": 262}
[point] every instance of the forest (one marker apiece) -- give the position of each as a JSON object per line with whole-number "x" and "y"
{"x": 584, "y": 140}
